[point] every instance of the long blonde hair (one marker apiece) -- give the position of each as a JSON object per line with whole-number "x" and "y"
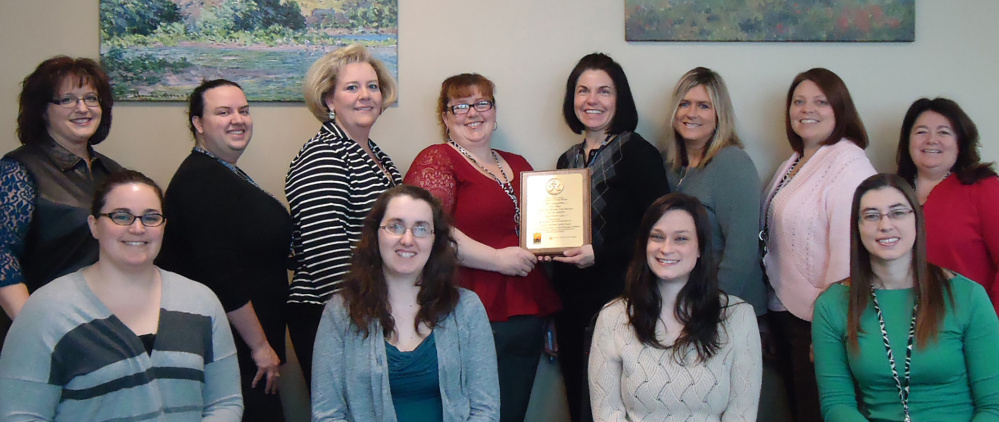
{"x": 676, "y": 151}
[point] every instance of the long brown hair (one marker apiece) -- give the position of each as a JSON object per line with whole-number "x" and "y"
{"x": 848, "y": 123}
{"x": 365, "y": 291}
{"x": 698, "y": 304}
{"x": 931, "y": 282}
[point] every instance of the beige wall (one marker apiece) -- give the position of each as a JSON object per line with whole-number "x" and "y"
{"x": 528, "y": 47}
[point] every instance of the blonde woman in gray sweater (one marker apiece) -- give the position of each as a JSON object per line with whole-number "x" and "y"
{"x": 705, "y": 159}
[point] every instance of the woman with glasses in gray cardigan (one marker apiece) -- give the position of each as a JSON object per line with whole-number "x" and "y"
{"x": 400, "y": 341}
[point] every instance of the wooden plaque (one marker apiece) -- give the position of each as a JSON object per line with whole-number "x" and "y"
{"x": 554, "y": 210}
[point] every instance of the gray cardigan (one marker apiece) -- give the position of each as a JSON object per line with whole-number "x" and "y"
{"x": 730, "y": 189}
{"x": 350, "y": 379}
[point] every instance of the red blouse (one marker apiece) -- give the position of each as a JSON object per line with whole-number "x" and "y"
{"x": 484, "y": 212}
{"x": 962, "y": 230}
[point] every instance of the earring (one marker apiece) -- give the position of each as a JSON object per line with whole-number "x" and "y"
{"x": 332, "y": 114}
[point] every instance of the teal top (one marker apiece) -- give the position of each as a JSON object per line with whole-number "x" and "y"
{"x": 413, "y": 379}
{"x": 953, "y": 379}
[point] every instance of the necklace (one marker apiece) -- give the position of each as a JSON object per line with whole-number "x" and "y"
{"x": 902, "y": 385}
{"x": 504, "y": 184}
{"x": 915, "y": 180}
{"x": 765, "y": 233}
{"x": 370, "y": 152}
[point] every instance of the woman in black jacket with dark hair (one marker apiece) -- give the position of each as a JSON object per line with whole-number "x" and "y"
{"x": 627, "y": 175}
{"x": 229, "y": 234}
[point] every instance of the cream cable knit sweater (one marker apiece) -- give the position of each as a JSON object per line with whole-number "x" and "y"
{"x": 633, "y": 382}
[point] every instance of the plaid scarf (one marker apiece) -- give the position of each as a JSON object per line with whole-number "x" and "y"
{"x": 603, "y": 167}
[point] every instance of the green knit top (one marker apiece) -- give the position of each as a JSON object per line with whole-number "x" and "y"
{"x": 954, "y": 379}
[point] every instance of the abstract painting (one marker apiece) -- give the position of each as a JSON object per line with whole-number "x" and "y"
{"x": 770, "y": 20}
{"x": 160, "y": 50}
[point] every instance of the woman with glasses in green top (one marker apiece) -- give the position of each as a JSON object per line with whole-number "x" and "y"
{"x": 910, "y": 340}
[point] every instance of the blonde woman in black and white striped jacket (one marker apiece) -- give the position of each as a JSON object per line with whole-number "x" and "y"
{"x": 333, "y": 182}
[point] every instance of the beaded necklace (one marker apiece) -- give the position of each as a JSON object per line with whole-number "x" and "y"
{"x": 765, "y": 233}
{"x": 504, "y": 184}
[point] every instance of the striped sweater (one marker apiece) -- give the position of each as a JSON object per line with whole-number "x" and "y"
{"x": 331, "y": 186}
{"x": 67, "y": 358}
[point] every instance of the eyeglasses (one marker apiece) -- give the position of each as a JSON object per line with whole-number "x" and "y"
{"x": 70, "y": 101}
{"x": 125, "y": 218}
{"x": 420, "y": 230}
{"x": 480, "y": 106}
{"x": 874, "y": 217}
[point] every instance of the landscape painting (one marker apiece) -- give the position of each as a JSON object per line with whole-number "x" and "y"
{"x": 770, "y": 20}
{"x": 160, "y": 50}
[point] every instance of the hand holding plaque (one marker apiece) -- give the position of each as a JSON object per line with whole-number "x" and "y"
{"x": 554, "y": 210}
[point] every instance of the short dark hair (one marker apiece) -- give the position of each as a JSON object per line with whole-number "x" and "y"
{"x": 122, "y": 177}
{"x": 365, "y": 292}
{"x": 930, "y": 284}
{"x": 969, "y": 168}
{"x": 40, "y": 87}
{"x": 698, "y": 305}
{"x": 196, "y": 101}
{"x": 625, "y": 118}
{"x": 848, "y": 123}
{"x": 458, "y": 86}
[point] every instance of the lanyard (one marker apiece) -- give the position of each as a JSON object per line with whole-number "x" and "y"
{"x": 902, "y": 385}
{"x": 765, "y": 233}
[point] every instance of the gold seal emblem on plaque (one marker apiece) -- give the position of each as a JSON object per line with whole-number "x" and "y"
{"x": 554, "y": 186}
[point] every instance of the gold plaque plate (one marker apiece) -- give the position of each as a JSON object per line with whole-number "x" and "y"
{"x": 554, "y": 210}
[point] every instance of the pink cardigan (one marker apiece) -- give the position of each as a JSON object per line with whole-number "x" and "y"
{"x": 809, "y": 225}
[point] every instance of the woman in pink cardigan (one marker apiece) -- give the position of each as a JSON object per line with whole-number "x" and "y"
{"x": 938, "y": 154}
{"x": 805, "y": 217}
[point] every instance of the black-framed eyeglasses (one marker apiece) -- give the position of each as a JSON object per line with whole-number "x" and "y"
{"x": 70, "y": 101}
{"x": 420, "y": 230}
{"x": 125, "y": 218}
{"x": 874, "y": 217}
{"x": 480, "y": 106}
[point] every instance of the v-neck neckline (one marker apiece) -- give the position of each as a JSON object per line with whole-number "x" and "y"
{"x": 102, "y": 307}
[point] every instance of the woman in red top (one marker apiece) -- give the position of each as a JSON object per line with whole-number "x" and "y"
{"x": 480, "y": 188}
{"x": 938, "y": 154}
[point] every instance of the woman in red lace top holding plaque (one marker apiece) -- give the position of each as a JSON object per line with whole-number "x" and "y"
{"x": 480, "y": 187}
